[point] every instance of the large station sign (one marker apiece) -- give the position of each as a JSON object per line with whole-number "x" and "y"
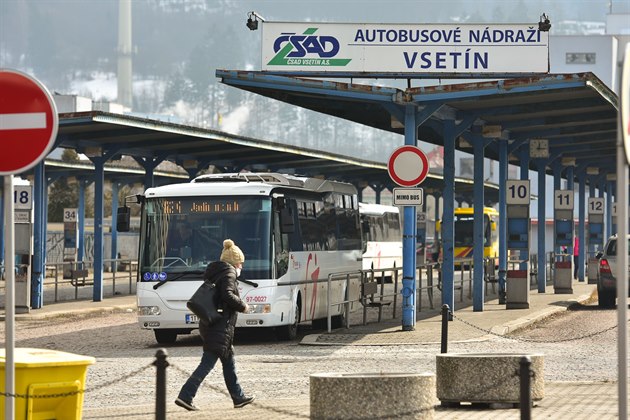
{"x": 404, "y": 48}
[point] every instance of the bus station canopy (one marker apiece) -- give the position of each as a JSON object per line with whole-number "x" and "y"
{"x": 98, "y": 133}
{"x": 577, "y": 113}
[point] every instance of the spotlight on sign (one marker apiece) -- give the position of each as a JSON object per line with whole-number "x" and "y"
{"x": 252, "y": 20}
{"x": 544, "y": 25}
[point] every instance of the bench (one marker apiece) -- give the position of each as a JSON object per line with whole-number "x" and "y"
{"x": 77, "y": 277}
{"x": 371, "y": 299}
{"x": 369, "y": 295}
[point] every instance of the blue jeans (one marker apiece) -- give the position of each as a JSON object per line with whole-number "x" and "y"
{"x": 208, "y": 360}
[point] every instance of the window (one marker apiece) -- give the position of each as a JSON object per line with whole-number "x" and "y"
{"x": 580, "y": 58}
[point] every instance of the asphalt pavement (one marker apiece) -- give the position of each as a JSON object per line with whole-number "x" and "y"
{"x": 570, "y": 400}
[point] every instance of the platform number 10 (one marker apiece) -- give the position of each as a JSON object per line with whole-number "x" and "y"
{"x": 517, "y": 191}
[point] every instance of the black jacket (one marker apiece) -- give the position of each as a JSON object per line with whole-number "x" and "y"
{"x": 217, "y": 338}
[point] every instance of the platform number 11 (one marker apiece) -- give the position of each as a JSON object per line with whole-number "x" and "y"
{"x": 563, "y": 199}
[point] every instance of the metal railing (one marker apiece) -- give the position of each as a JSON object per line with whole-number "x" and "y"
{"x": 77, "y": 274}
{"x": 429, "y": 279}
{"x": 340, "y": 276}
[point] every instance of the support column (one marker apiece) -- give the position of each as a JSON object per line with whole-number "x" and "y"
{"x": 377, "y": 193}
{"x": 570, "y": 178}
{"x": 609, "y": 205}
{"x": 149, "y": 165}
{"x": 83, "y": 183}
{"x": 571, "y": 187}
{"x": 39, "y": 237}
{"x": 524, "y": 158}
{"x": 503, "y": 174}
{"x": 557, "y": 176}
{"x": 542, "y": 198}
{"x": 557, "y": 185}
{"x": 409, "y": 237}
{"x": 581, "y": 223}
{"x": 99, "y": 180}
{"x": 478, "y": 227}
{"x": 359, "y": 193}
{"x": 114, "y": 234}
{"x": 448, "y": 264}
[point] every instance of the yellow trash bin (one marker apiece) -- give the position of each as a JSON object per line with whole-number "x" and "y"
{"x": 42, "y": 372}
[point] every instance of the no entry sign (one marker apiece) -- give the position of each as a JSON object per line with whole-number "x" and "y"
{"x": 408, "y": 166}
{"x": 28, "y": 122}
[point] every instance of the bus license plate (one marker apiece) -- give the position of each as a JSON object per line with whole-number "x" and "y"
{"x": 192, "y": 319}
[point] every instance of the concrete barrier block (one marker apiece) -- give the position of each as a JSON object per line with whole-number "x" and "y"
{"x": 486, "y": 378}
{"x": 563, "y": 277}
{"x": 372, "y": 395}
{"x": 517, "y": 289}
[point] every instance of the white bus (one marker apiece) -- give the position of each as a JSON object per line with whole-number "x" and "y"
{"x": 294, "y": 232}
{"x": 382, "y": 237}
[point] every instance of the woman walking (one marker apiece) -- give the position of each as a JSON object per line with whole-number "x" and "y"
{"x": 217, "y": 338}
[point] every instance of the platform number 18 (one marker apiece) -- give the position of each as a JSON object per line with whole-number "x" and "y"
{"x": 22, "y": 197}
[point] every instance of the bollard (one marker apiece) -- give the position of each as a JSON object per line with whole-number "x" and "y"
{"x": 526, "y": 394}
{"x": 445, "y": 319}
{"x": 160, "y": 384}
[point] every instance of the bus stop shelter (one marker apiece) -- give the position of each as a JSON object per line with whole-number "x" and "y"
{"x": 495, "y": 119}
{"x": 105, "y": 137}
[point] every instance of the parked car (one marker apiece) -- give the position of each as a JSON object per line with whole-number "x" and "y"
{"x": 606, "y": 272}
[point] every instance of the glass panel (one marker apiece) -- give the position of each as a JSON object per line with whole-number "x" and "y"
{"x": 185, "y": 234}
{"x": 463, "y": 231}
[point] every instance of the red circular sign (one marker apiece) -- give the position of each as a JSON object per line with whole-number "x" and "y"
{"x": 408, "y": 166}
{"x": 28, "y": 122}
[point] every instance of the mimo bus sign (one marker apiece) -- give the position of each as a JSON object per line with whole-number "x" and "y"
{"x": 404, "y": 48}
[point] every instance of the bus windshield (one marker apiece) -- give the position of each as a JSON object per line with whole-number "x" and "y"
{"x": 464, "y": 230}
{"x": 184, "y": 234}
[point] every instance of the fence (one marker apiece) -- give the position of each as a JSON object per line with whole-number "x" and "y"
{"x": 72, "y": 280}
{"x": 375, "y": 292}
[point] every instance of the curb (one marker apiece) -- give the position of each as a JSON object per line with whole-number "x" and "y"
{"x": 497, "y": 330}
{"x": 526, "y": 321}
{"x": 70, "y": 314}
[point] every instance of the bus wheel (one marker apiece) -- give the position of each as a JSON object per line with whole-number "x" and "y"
{"x": 289, "y": 332}
{"x": 165, "y": 336}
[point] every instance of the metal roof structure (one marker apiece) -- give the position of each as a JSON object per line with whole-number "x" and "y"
{"x": 56, "y": 168}
{"x": 194, "y": 149}
{"x": 577, "y": 113}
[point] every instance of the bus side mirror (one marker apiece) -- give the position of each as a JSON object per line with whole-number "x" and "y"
{"x": 123, "y": 219}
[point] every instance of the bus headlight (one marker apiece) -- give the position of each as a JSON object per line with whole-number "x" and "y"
{"x": 259, "y": 309}
{"x": 149, "y": 310}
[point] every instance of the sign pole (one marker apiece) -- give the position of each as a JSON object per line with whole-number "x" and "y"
{"x": 9, "y": 258}
{"x": 409, "y": 234}
{"x": 408, "y": 166}
{"x": 623, "y": 158}
{"x": 28, "y": 129}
